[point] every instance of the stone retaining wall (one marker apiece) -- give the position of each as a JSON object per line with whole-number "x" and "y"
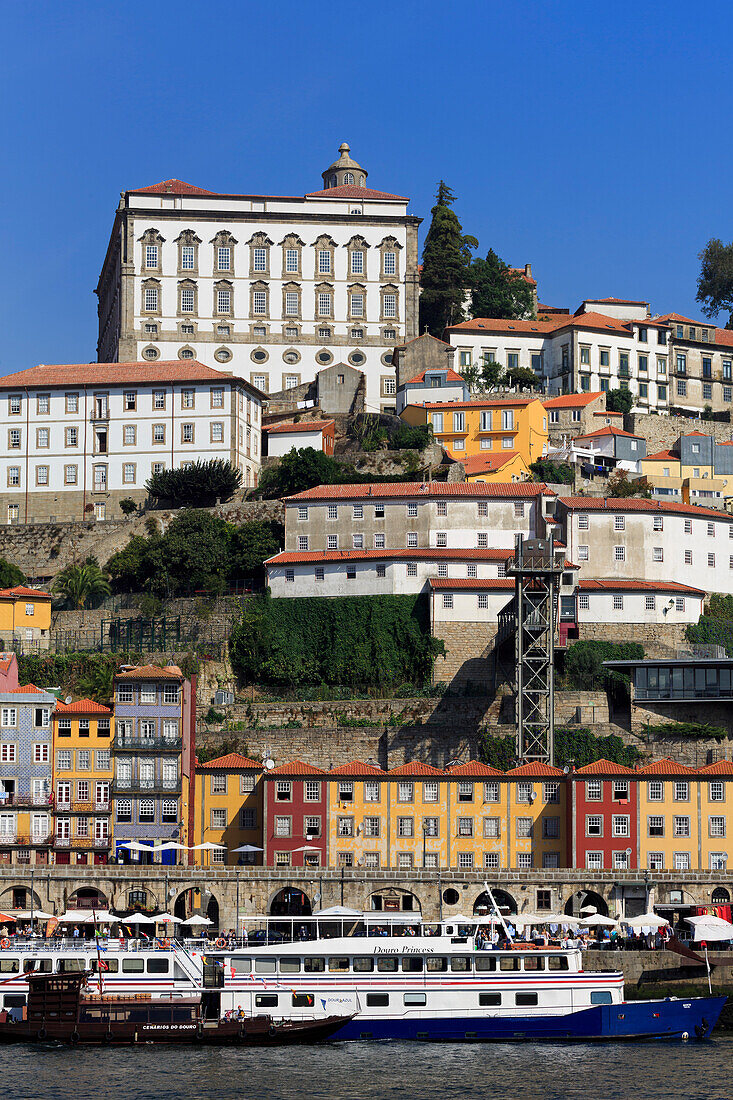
{"x": 661, "y": 432}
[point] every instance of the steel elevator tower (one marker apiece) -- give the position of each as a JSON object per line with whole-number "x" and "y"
{"x": 537, "y": 569}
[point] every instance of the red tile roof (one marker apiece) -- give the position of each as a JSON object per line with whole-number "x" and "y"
{"x": 358, "y": 768}
{"x": 27, "y": 689}
{"x": 612, "y": 504}
{"x": 607, "y": 412}
{"x": 414, "y": 768}
{"x": 535, "y": 768}
{"x": 81, "y": 706}
{"x": 20, "y": 592}
{"x": 616, "y": 585}
{"x": 572, "y": 400}
{"x": 295, "y": 768}
{"x": 303, "y": 426}
{"x": 486, "y": 584}
{"x": 486, "y": 463}
{"x": 678, "y": 317}
{"x": 114, "y": 374}
{"x": 350, "y": 191}
{"x": 151, "y": 672}
{"x": 609, "y": 429}
{"x": 523, "y": 275}
{"x": 605, "y": 767}
{"x": 171, "y": 187}
{"x": 6, "y": 660}
{"x": 666, "y": 767}
{"x": 450, "y": 375}
{"x": 662, "y": 455}
{"x": 473, "y": 768}
{"x": 615, "y": 301}
{"x": 425, "y": 489}
{"x": 232, "y": 760}
{"x": 720, "y": 767}
{"x": 500, "y": 324}
{"x": 288, "y": 557}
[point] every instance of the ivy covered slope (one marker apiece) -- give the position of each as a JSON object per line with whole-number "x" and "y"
{"x": 715, "y": 626}
{"x": 573, "y": 747}
{"x": 355, "y": 640}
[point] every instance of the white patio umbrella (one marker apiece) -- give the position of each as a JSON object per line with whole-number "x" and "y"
{"x": 589, "y": 909}
{"x": 167, "y": 918}
{"x": 337, "y": 911}
{"x": 207, "y": 846}
{"x": 597, "y": 920}
{"x": 170, "y": 846}
{"x": 26, "y": 914}
{"x": 196, "y": 919}
{"x": 306, "y": 848}
{"x": 138, "y": 918}
{"x": 247, "y": 848}
{"x": 710, "y": 928}
{"x": 646, "y": 920}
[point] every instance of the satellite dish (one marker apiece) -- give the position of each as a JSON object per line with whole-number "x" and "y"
{"x": 269, "y": 763}
{"x": 67, "y": 700}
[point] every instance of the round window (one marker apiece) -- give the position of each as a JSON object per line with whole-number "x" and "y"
{"x": 185, "y": 353}
{"x": 324, "y": 357}
{"x": 151, "y": 353}
{"x": 451, "y": 896}
{"x": 259, "y": 356}
{"x": 223, "y": 355}
{"x": 387, "y": 359}
{"x": 357, "y": 358}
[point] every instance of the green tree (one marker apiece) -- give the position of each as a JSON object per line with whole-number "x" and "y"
{"x": 299, "y": 470}
{"x": 498, "y": 291}
{"x": 583, "y": 665}
{"x": 446, "y": 263}
{"x": 197, "y": 485}
{"x": 10, "y": 575}
{"x": 621, "y": 486}
{"x": 82, "y": 585}
{"x": 558, "y": 473}
{"x": 97, "y": 683}
{"x": 252, "y": 544}
{"x": 715, "y": 281}
{"x": 522, "y": 376}
{"x": 483, "y": 378}
{"x": 128, "y": 506}
{"x": 193, "y": 554}
{"x": 621, "y": 401}
{"x": 416, "y": 436}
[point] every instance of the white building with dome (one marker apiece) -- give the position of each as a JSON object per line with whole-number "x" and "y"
{"x": 272, "y": 288}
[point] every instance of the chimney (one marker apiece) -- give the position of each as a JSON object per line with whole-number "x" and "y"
{"x": 528, "y": 270}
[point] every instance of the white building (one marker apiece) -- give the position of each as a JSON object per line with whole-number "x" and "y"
{"x": 82, "y": 437}
{"x": 273, "y": 287}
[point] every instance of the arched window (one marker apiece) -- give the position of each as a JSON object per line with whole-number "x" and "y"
{"x": 720, "y": 896}
{"x": 348, "y": 177}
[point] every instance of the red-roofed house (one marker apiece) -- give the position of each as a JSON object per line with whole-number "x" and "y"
{"x": 466, "y": 429}
{"x": 613, "y": 448}
{"x": 25, "y": 617}
{"x": 572, "y": 414}
{"x": 83, "y": 437}
{"x": 228, "y": 810}
{"x": 604, "y": 817}
{"x": 295, "y": 814}
{"x": 270, "y": 287}
{"x": 281, "y": 438}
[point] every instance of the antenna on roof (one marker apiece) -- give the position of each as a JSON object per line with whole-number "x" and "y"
{"x": 67, "y": 700}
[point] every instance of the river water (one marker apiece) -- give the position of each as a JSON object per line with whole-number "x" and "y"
{"x": 374, "y": 1071}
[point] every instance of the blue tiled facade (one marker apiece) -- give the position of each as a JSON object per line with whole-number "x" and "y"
{"x": 26, "y": 779}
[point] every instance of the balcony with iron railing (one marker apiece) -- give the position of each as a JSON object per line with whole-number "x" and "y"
{"x": 76, "y": 806}
{"x": 122, "y": 743}
{"x": 84, "y": 842}
{"x": 21, "y": 840}
{"x": 147, "y": 787}
{"x": 26, "y": 800}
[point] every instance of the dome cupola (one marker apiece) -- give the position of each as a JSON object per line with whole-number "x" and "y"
{"x": 344, "y": 172}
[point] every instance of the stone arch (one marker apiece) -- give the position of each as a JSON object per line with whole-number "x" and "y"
{"x": 579, "y": 899}
{"x": 392, "y": 899}
{"x": 720, "y": 896}
{"x": 291, "y": 901}
{"x": 504, "y": 900}
{"x": 87, "y": 897}
{"x": 19, "y": 897}
{"x": 188, "y": 901}
{"x": 212, "y": 911}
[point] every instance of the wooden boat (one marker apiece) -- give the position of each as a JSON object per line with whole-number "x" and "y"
{"x": 60, "y": 1010}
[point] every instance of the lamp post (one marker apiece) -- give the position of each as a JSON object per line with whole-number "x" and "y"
{"x": 33, "y": 871}
{"x": 424, "y": 842}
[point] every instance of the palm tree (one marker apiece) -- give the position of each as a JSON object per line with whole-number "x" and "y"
{"x": 81, "y": 585}
{"x": 98, "y": 682}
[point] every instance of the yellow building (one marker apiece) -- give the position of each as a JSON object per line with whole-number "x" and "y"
{"x": 82, "y": 782}
{"x": 228, "y": 811}
{"x": 485, "y": 426}
{"x": 716, "y": 815}
{"x": 694, "y": 469}
{"x": 358, "y": 818}
{"x": 496, "y": 466}
{"x": 669, "y": 820}
{"x": 25, "y": 616}
{"x": 536, "y": 817}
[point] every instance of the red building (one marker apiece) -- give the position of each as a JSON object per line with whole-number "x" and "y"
{"x": 603, "y": 817}
{"x": 295, "y": 816}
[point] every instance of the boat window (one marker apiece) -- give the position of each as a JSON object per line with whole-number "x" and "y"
{"x": 601, "y": 997}
{"x": 265, "y": 966}
{"x": 387, "y": 965}
{"x": 241, "y": 966}
{"x": 70, "y": 966}
{"x": 534, "y": 962}
{"x": 465, "y": 930}
{"x": 525, "y": 999}
{"x": 557, "y": 962}
{"x": 303, "y": 1000}
{"x": 485, "y": 962}
{"x": 265, "y": 1000}
{"x": 110, "y": 966}
{"x": 436, "y": 964}
{"x": 363, "y": 964}
{"x": 509, "y": 962}
{"x": 314, "y": 965}
{"x": 289, "y": 966}
{"x": 9, "y": 966}
{"x": 338, "y": 963}
{"x": 460, "y": 963}
{"x": 13, "y": 1000}
{"x": 412, "y": 964}
{"x": 38, "y": 966}
{"x": 158, "y": 966}
{"x": 377, "y": 1000}
{"x": 489, "y": 1000}
{"x": 419, "y": 999}
{"x": 132, "y": 966}
{"x": 431, "y": 930}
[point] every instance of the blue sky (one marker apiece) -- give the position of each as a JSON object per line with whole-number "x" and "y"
{"x": 589, "y": 139}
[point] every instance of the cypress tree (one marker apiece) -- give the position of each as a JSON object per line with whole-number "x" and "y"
{"x": 446, "y": 260}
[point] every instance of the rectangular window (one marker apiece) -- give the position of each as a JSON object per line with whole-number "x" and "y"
{"x": 389, "y": 260}
{"x": 389, "y": 302}
{"x": 655, "y": 825}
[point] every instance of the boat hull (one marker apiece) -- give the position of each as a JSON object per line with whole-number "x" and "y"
{"x": 666, "y": 1019}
